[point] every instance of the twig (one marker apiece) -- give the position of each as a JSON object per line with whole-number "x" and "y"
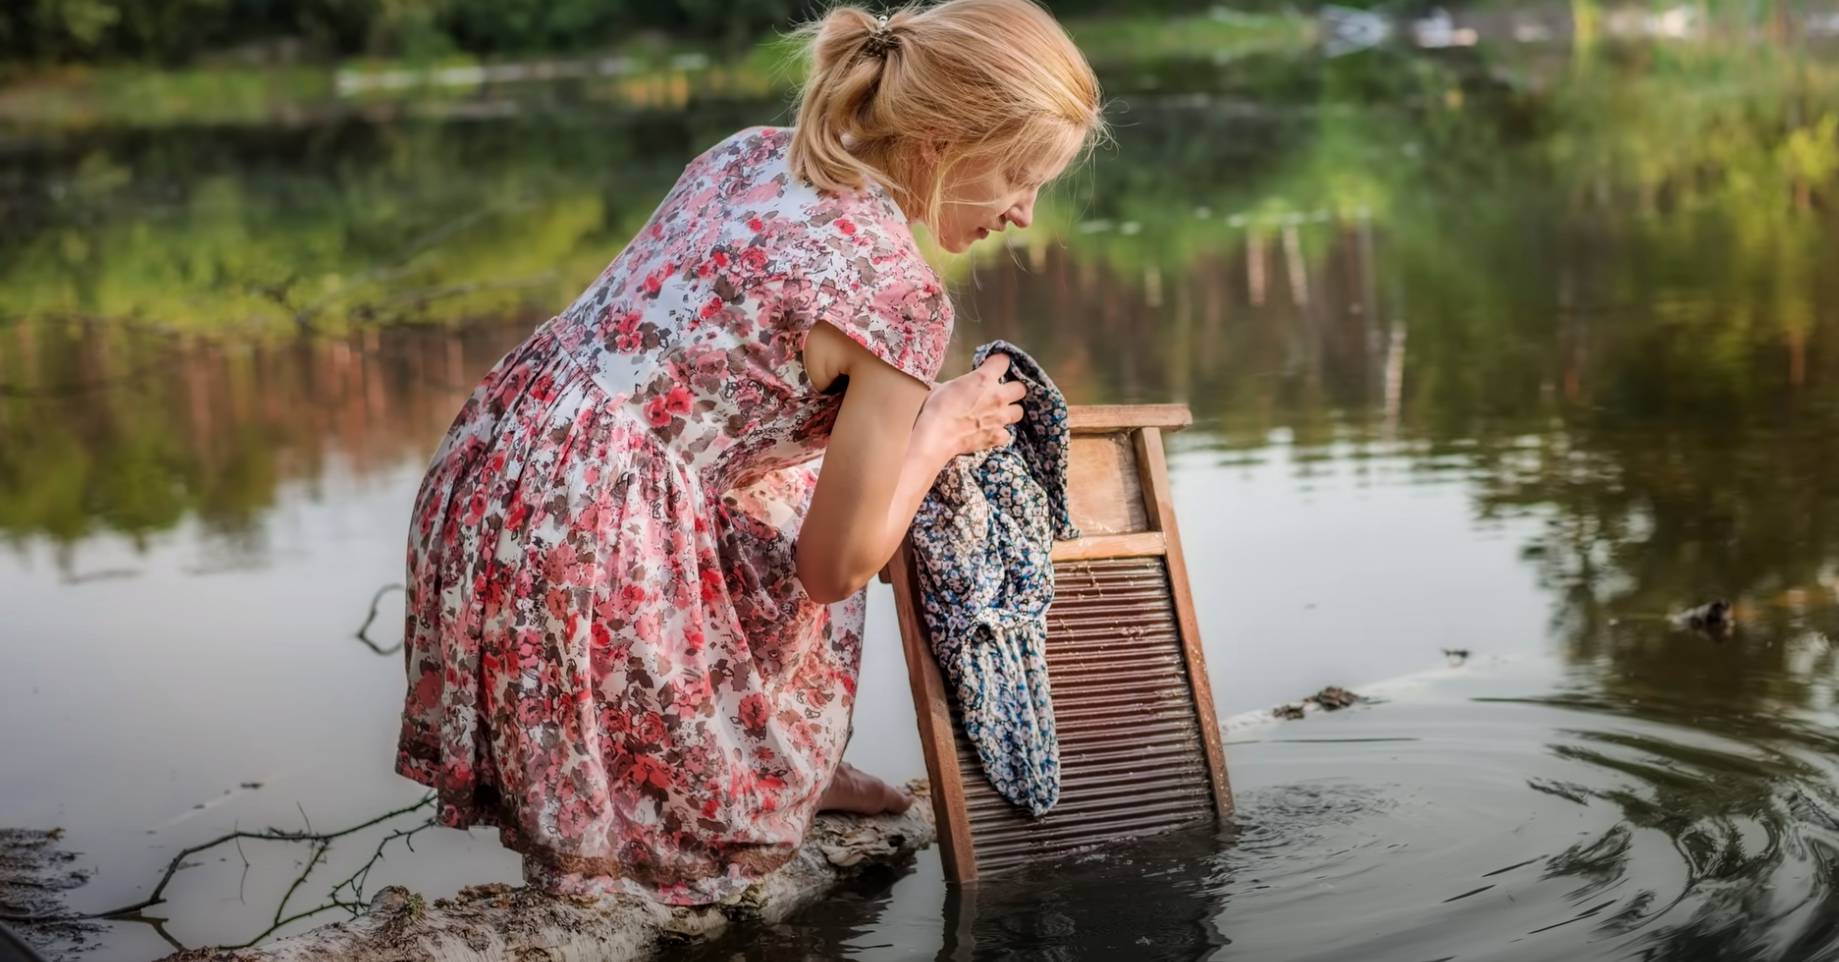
{"x": 364, "y": 629}
{"x": 319, "y": 854}
{"x": 242, "y": 882}
{"x": 158, "y": 895}
{"x": 358, "y": 878}
{"x": 356, "y": 905}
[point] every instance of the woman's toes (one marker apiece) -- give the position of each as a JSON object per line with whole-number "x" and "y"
{"x": 893, "y": 799}
{"x": 853, "y": 790}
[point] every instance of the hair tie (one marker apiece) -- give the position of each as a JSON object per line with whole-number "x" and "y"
{"x": 881, "y": 37}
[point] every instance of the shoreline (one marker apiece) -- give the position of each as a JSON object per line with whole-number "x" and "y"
{"x": 646, "y": 75}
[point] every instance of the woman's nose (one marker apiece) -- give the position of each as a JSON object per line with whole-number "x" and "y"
{"x": 1022, "y": 214}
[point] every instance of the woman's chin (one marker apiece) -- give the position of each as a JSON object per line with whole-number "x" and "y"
{"x": 964, "y": 242}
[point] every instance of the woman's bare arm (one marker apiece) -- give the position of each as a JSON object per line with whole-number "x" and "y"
{"x": 892, "y": 437}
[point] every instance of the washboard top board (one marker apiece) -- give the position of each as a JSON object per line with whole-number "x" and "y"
{"x": 1140, "y": 746}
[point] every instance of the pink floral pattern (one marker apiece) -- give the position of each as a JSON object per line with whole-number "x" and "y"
{"x": 609, "y": 654}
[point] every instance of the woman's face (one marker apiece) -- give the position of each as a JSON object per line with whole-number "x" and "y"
{"x": 981, "y": 198}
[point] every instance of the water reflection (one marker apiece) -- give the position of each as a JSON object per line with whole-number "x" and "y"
{"x": 1070, "y": 911}
{"x": 1579, "y": 304}
{"x": 1466, "y": 825}
{"x": 1748, "y": 806}
{"x": 110, "y": 428}
{"x": 1158, "y": 900}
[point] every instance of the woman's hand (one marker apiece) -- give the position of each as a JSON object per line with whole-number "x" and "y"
{"x": 973, "y": 412}
{"x": 891, "y": 439}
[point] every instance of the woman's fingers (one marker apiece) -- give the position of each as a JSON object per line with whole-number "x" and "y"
{"x": 988, "y": 408}
{"x": 999, "y": 435}
{"x": 1003, "y": 415}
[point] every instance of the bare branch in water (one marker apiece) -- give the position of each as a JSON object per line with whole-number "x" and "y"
{"x": 484, "y": 923}
{"x": 243, "y": 880}
{"x": 356, "y": 880}
{"x": 364, "y": 629}
{"x": 321, "y": 844}
{"x": 497, "y": 921}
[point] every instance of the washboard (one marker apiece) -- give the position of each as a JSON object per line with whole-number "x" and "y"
{"x": 1139, "y": 743}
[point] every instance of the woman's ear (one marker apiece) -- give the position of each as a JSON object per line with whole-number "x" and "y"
{"x": 930, "y": 151}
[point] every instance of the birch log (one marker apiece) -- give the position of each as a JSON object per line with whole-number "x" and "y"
{"x": 494, "y": 923}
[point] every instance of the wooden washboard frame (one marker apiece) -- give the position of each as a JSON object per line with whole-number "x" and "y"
{"x": 1140, "y": 745}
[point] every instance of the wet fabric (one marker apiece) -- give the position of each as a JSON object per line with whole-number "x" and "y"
{"x": 982, "y": 541}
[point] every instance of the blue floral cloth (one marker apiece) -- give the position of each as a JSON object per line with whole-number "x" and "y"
{"x": 982, "y": 540}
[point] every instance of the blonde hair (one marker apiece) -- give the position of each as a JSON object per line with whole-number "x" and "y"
{"x": 906, "y": 101}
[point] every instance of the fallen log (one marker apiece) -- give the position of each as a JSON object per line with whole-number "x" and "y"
{"x": 497, "y": 922}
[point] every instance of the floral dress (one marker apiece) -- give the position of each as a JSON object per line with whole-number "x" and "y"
{"x": 609, "y": 654}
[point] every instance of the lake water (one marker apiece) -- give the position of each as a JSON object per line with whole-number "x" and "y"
{"x": 1504, "y": 350}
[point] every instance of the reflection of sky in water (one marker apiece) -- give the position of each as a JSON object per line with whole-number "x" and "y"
{"x": 157, "y": 680}
{"x": 1570, "y": 371}
{"x": 172, "y": 683}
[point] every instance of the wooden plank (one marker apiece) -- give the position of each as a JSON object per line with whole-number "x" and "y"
{"x": 1138, "y": 545}
{"x": 1109, "y": 418}
{"x": 1104, "y": 490}
{"x": 960, "y": 925}
{"x": 932, "y": 711}
{"x": 1151, "y": 460}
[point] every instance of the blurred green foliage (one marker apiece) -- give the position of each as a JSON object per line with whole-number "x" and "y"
{"x": 172, "y": 32}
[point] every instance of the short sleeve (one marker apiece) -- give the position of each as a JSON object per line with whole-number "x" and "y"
{"x": 866, "y": 277}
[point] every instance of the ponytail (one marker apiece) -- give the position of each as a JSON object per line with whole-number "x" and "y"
{"x": 842, "y": 116}
{"x": 901, "y": 100}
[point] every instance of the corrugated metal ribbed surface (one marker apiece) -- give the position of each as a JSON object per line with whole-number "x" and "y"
{"x": 1132, "y": 761}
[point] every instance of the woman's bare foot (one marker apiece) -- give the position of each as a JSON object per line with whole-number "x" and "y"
{"x": 853, "y": 790}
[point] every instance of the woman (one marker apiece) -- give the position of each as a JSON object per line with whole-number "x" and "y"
{"x": 635, "y": 609}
